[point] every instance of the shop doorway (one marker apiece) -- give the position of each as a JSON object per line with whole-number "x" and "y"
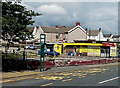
{"x": 105, "y": 51}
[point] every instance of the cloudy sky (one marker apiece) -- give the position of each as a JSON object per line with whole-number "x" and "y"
{"x": 91, "y": 15}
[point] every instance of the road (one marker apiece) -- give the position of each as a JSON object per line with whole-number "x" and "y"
{"x": 92, "y": 76}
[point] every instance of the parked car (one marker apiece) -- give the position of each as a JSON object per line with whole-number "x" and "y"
{"x": 70, "y": 53}
{"x": 33, "y": 47}
{"x": 26, "y": 47}
{"x": 50, "y": 53}
{"x": 30, "y": 47}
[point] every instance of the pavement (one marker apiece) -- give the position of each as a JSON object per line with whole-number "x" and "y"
{"x": 71, "y": 76}
{"x": 6, "y": 75}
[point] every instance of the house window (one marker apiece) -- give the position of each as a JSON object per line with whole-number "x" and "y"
{"x": 93, "y": 36}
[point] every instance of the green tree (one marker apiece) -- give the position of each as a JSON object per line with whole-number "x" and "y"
{"x": 15, "y": 19}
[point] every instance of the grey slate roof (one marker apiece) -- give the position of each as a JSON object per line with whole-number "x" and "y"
{"x": 107, "y": 35}
{"x": 116, "y": 36}
{"x": 60, "y": 30}
{"x": 93, "y": 32}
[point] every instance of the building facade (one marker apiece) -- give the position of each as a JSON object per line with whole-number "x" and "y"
{"x": 87, "y": 49}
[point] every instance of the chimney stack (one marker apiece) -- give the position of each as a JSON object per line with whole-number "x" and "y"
{"x": 86, "y": 29}
{"x": 37, "y": 27}
{"x": 77, "y": 23}
{"x": 100, "y": 29}
{"x": 57, "y": 26}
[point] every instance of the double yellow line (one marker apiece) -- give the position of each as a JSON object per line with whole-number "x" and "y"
{"x": 13, "y": 80}
{"x": 52, "y": 83}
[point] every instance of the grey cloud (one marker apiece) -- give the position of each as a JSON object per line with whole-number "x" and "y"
{"x": 52, "y": 9}
{"x": 92, "y": 15}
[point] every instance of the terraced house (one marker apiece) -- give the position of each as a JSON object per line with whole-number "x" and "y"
{"x": 96, "y": 35}
{"x": 60, "y": 34}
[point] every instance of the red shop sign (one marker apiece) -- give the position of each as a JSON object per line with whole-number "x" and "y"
{"x": 108, "y": 44}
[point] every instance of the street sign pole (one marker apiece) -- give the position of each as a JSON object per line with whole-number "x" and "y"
{"x": 42, "y": 43}
{"x": 41, "y": 57}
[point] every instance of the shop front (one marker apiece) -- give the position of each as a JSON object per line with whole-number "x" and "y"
{"x": 87, "y": 49}
{"x": 78, "y": 49}
{"x": 108, "y": 50}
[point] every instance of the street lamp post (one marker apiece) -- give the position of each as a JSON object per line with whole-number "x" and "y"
{"x": 42, "y": 43}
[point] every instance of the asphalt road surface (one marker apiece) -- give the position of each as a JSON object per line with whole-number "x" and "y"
{"x": 94, "y": 76}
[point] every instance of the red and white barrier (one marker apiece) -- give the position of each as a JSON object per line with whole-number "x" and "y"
{"x": 93, "y": 62}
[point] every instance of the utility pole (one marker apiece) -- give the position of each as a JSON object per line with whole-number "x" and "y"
{"x": 86, "y": 33}
{"x": 89, "y": 33}
{"x": 42, "y": 43}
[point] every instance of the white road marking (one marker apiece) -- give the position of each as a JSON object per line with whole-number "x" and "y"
{"x": 108, "y": 80}
{"x": 47, "y": 84}
{"x": 66, "y": 80}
